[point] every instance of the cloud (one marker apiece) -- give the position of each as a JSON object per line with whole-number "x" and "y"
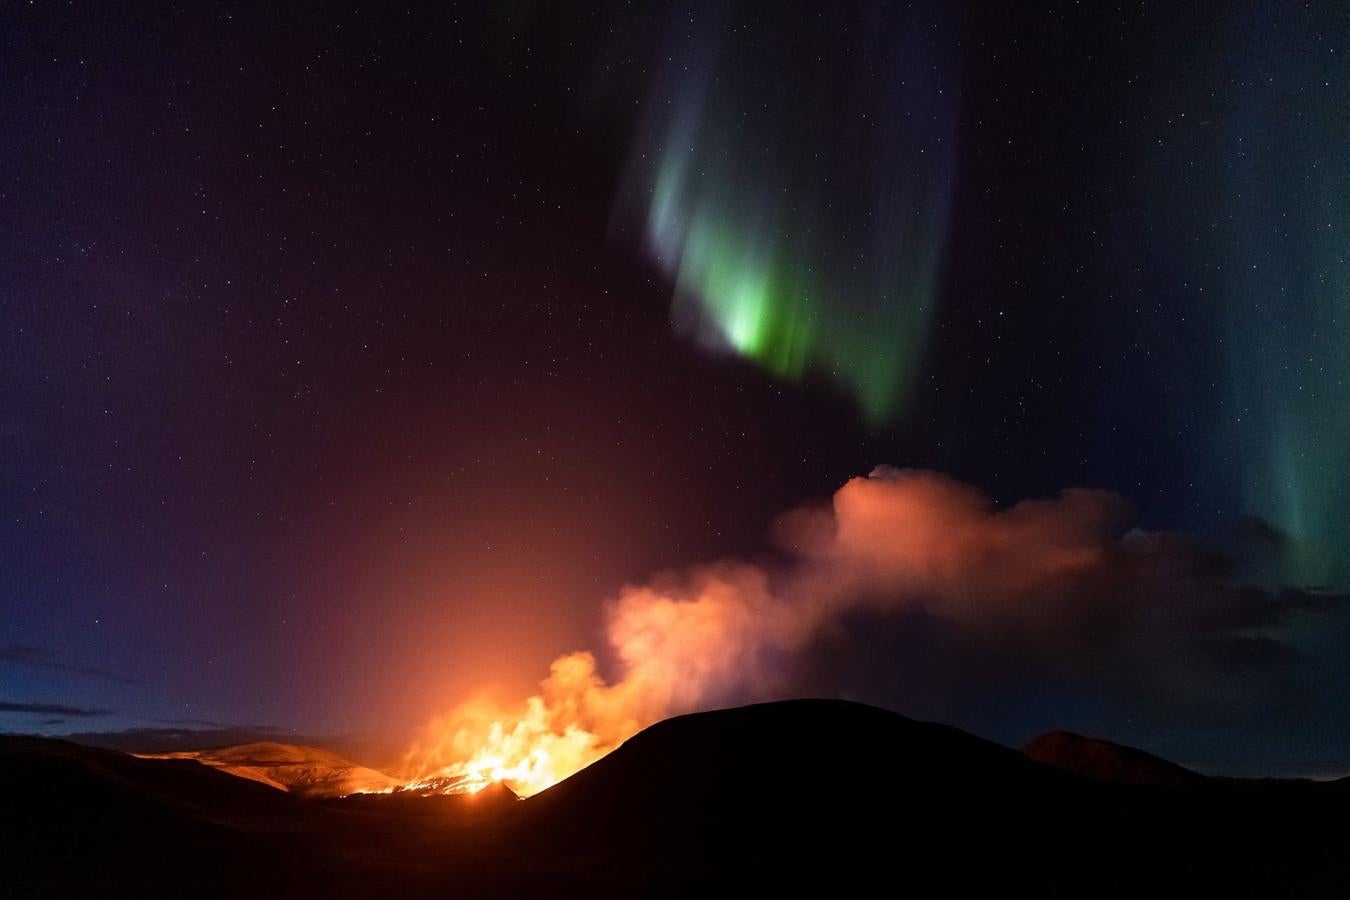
{"x": 42, "y": 658}
{"x": 52, "y": 709}
{"x": 915, "y": 590}
{"x": 209, "y": 723}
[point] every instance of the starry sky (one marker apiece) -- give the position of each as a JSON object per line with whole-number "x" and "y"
{"x": 351, "y": 358}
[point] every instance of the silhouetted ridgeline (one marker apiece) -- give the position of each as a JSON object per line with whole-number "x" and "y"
{"x": 769, "y": 798}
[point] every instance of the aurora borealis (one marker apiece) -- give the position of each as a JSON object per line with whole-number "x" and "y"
{"x": 355, "y": 360}
{"x": 1284, "y": 283}
{"x": 806, "y": 230}
{"x": 802, "y": 230}
{"x": 1236, "y": 219}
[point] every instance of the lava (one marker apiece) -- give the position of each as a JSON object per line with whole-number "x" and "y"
{"x": 528, "y": 747}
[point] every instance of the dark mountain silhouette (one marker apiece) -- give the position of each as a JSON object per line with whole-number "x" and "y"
{"x": 727, "y": 798}
{"x": 79, "y": 821}
{"x": 1106, "y": 761}
{"x": 780, "y": 798}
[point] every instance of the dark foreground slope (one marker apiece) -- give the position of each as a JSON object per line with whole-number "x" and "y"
{"x": 81, "y": 821}
{"x": 777, "y": 793}
{"x": 774, "y": 797}
{"x": 763, "y": 800}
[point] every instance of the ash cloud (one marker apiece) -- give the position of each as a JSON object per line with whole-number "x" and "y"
{"x": 1058, "y": 614}
{"x": 1058, "y": 607}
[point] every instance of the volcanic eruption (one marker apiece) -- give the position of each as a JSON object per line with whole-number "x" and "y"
{"x": 1040, "y": 575}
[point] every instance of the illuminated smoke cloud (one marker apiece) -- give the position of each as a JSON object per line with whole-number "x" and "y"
{"x": 1061, "y": 580}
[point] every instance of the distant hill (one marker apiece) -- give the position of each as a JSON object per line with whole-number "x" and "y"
{"x": 1106, "y": 761}
{"x": 307, "y": 771}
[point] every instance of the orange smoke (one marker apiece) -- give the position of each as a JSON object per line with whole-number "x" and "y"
{"x": 891, "y": 539}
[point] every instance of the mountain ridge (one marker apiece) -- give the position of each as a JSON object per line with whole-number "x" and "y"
{"x": 774, "y": 798}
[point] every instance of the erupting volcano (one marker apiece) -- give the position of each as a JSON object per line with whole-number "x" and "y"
{"x": 1038, "y": 574}
{"x": 521, "y": 449}
{"x": 478, "y": 744}
{"x": 574, "y": 720}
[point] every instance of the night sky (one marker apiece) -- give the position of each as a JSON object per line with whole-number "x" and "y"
{"x": 351, "y": 359}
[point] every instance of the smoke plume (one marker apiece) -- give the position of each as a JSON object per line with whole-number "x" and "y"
{"x": 1060, "y": 586}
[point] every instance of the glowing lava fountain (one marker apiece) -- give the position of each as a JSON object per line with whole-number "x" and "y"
{"x": 674, "y": 642}
{"x": 529, "y": 746}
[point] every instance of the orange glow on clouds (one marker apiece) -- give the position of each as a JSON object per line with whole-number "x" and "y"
{"x": 891, "y": 540}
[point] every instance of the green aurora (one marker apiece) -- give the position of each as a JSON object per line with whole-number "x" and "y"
{"x": 780, "y": 250}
